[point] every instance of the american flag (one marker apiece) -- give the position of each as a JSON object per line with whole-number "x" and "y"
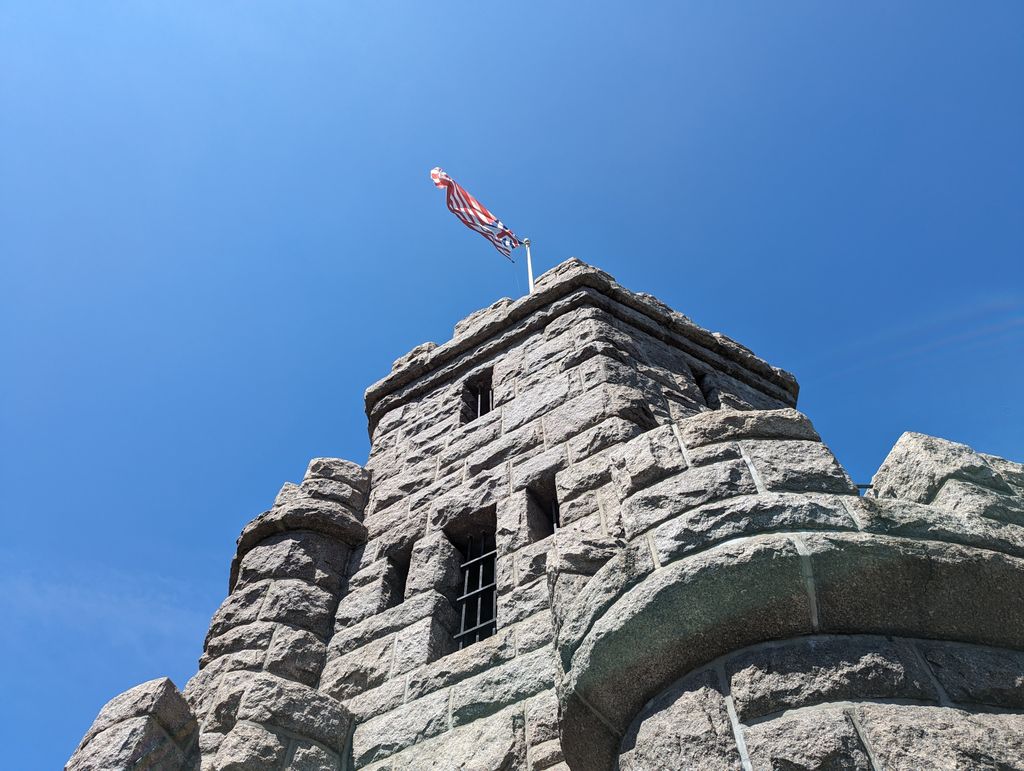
{"x": 474, "y": 215}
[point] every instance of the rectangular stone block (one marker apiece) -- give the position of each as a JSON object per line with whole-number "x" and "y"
{"x": 123, "y": 744}
{"x": 583, "y": 553}
{"x": 496, "y": 742}
{"x": 435, "y": 566}
{"x": 894, "y": 516}
{"x": 797, "y": 466}
{"x": 785, "y": 676}
{"x": 965, "y": 498}
{"x": 920, "y": 737}
{"x": 461, "y": 664}
{"x": 608, "y": 433}
{"x": 822, "y": 739}
{"x": 478, "y": 493}
{"x": 684, "y": 491}
{"x": 520, "y": 522}
{"x": 748, "y": 515}
{"x": 594, "y": 472}
{"x": 296, "y": 655}
{"x": 522, "y": 602}
{"x": 403, "y": 727}
{"x": 595, "y": 406}
{"x": 407, "y": 613}
{"x": 534, "y": 632}
{"x": 390, "y": 491}
{"x": 506, "y": 684}
{"x": 531, "y": 471}
{"x": 644, "y": 460}
{"x": 425, "y": 641}
{"x": 240, "y": 607}
{"x": 542, "y": 717}
{"x": 370, "y": 599}
{"x": 377, "y": 701}
{"x": 581, "y": 511}
{"x": 299, "y": 604}
{"x": 723, "y": 392}
{"x": 713, "y": 453}
{"x": 545, "y": 755}
{"x": 531, "y": 404}
{"x": 512, "y": 444}
{"x": 254, "y": 636}
{"x": 531, "y": 562}
{"x": 971, "y": 674}
{"x": 470, "y": 437}
{"x": 358, "y": 671}
{"x": 721, "y": 425}
{"x": 294, "y": 707}
{"x": 307, "y": 556}
{"x": 381, "y": 520}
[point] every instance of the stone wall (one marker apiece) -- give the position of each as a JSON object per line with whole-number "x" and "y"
{"x": 669, "y": 645}
{"x": 255, "y": 696}
{"x": 574, "y": 381}
{"x": 716, "y": 590}
{"x": 838, "y": 701}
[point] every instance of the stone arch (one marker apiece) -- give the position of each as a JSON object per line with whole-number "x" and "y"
{"x": 837, "y": 701}
{"x": 683, "y": 615}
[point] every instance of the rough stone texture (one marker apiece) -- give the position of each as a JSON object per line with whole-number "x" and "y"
{"x": 684, "y": 491}
{"x": 918, "y": 465}
{"x": 905, "y": 737}
{"x": 148, "y": 726}
{"x": 797, "y": 466}
{"x": 711, "y": 427}
{"x": 684, "y": 576}
{"x": 686, "y": 727}
{"x": 412, "y": 723}
{"x": 973, "y": 675}
{"x": 816, "y": 670}
{"x": 496, "y": 743}
{"x": 808, "y": 742}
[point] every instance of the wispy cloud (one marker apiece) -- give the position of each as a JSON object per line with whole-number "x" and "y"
{"x": 996, "y": 320}
{"x": 144, "y": 615}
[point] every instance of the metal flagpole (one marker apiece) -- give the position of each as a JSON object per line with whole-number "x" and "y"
{"x": 529, "y": 263}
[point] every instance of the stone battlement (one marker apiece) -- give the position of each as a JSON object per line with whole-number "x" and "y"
{"x": 592, "y": 535}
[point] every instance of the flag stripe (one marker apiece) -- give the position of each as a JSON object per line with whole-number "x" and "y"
{"x": 474, "y": 215}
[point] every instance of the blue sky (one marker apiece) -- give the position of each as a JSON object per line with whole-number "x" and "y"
{"x": 217, "y": 228}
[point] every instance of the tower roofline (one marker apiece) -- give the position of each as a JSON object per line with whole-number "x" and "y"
{"x": 566, "y": 286}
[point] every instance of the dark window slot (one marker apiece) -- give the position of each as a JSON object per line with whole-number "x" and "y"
{"x": 477, "y": 397}
{"x": 401, "y": 561}
{"x": 544, "y": 515}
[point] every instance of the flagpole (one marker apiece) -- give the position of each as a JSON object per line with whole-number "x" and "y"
{"x": 529, "y": 263}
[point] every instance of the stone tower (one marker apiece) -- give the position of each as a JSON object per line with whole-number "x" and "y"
{"x": 592, "y": 535}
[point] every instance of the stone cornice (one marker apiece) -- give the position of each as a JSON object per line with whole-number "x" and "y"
{"x": 510, "y": 319}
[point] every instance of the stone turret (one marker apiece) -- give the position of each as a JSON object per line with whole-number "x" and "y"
{"x": 589, "y": 535}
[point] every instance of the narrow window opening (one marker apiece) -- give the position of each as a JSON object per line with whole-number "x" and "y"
{"x": 543, "y": 514}
{"x": 477, "y": 604}
{"x": 401, "y": 562}
{"x": 708, "y": 390}
{"x": 477, "y": 396}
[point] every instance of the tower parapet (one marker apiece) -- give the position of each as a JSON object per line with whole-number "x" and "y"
{"x": 591, "y": 533}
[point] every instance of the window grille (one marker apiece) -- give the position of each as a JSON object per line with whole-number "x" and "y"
{"x": 477, "y": 397}
{"x": 478, "y": 605}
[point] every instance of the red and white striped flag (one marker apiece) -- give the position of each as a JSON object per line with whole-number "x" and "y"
{"x": 474, "y": 215}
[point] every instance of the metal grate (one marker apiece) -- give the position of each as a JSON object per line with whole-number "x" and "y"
{"x": 478, "y": 604}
